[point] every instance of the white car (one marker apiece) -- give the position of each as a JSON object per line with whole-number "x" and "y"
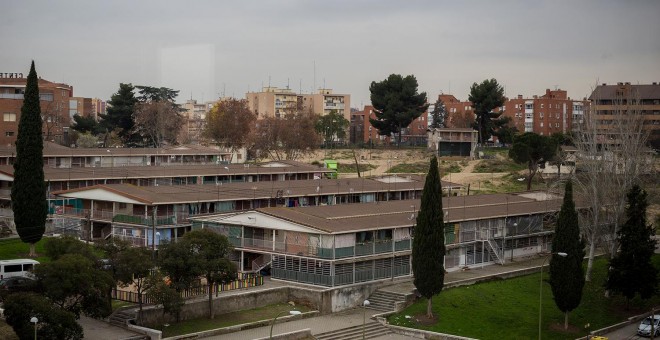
{"x": 645, "y": 326}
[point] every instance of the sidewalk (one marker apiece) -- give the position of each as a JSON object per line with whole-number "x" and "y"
{"x": 100, "y": 330}
{"x": 353, "y": 317}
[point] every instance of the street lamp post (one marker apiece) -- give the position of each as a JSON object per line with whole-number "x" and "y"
{"x": 291, "y": 312}
{"x": 364, "y": 317}
{"x": 562, "y": 254}
{"x": 34, "y": 320}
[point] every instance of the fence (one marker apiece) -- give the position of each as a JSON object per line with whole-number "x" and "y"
{"x": 247, "y": 281}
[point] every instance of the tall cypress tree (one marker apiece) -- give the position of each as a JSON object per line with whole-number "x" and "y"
{"x": 28, "y": 192}
{"x": 631, "y": 270}
{"x": 429, "y": 240}
{"x": 566, "y": 273}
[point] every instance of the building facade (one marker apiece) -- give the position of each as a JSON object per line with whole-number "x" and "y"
{"x": 277, "y": 102}
{"x": 622, "y": 98}
{"x": 361, "y": 130}
{"x": 54, "y": 108}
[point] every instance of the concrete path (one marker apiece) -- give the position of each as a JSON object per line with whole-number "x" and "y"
{"x": 100, "y": 330}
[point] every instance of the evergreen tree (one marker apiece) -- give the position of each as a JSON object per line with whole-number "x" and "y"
{"x": 485, "y": 97}
{"x": 120, "y": 114}
{"x": 429, "y": 240}
{"x": 438, "y": 115}
{"x": 28, "y": 192}
{"x": 396, "y": 104}
{"x": 566, "y": 273}
{"x": 631, "y": 270}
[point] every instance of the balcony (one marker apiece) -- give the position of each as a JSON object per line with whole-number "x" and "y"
{"x": 109, "y": 216}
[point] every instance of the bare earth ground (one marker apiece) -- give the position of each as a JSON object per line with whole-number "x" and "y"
{"x": 385, "y": 159}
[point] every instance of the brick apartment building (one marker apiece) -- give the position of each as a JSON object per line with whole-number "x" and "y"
{"x": 607, "y": 99}
{"x": 361, "y": 130}
{"x": 54, "y": 107}
{"x": 546, "y": 114}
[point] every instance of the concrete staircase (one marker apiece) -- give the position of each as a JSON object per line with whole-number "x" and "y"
{"x": 384, "y": 301}
{"x": 371, "y": 330}
{"x": 121, "y": 318}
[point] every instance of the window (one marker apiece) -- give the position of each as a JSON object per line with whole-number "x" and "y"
{"x": 9, "y": 117}
{"x": 541, "y": 124}
{"x": 556, "y": 125}
{"x": 541, "y": 114}
{"x": 13, "y": 268}
{"x": 542, "y": 105}
{"x": 529, "y": 115}
{"x": 529, "y": 106}
{"x": 557, "y": 115}
{"x": 9, "y": 133}
{"x": 122, "y": 205}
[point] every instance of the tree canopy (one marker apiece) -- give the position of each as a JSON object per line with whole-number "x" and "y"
{"x": 210, "y": 251}
{"x": 28, "y": 191}
{"x": 230, "y": 123}
{"x": 332, "y": 127}
{"x": 54, "y": 323}
{"x": 85, "y": 124}
{"x": 566, "y": 273}
{"x": 289, "y": 137}
{"x": 631, "y": 270}
{"x": 485, "y": 97}
{"x": 396, "y": 104}
{"x": 429, "y": 239}
{"x": 532, "y": 149}
{"x": 119, "y": 116}
{"x": 438, "y": 115}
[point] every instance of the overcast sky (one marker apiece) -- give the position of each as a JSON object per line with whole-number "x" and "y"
{"x": 203, "y": 48}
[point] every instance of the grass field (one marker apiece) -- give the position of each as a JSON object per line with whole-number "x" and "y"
{"x": 350, "y": 167}
{"x": 14, "y": 248}
{"x": 508, "y": 309}
{"x": 423, "y": 167}
{"x": 229, "y": 319}
{"x": 498, "y": 165}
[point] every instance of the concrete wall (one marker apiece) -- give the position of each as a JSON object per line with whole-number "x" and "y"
{"x": 325, "y": 301}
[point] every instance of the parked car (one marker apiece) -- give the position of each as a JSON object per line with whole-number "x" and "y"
{"x": 18, "y": 284}
{"x": 645, "y": 326}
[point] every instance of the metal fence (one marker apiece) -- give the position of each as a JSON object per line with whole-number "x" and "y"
{"x": 247, "y": 281}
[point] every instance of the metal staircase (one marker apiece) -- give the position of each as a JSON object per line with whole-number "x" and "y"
{"x": 494, "y": 251}
{"x": 261, "y": 262}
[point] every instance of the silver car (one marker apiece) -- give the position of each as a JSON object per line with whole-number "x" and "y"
{"x": 645, "y": 326}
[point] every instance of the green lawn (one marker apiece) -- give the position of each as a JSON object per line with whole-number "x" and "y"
{"x": 350, "y": 167}
{"x": 13, "y": 248}
{"x": 508, "y": 309}
{"x": 229, "y": 319}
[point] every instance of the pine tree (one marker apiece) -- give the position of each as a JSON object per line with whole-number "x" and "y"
{"x": 438, "y": 115}
{"x": 28, "y": 192}
{"x": 566, "y": 273}
{"x": 631, "y": 270}
{"x": 485, "y": 97}
{"x": 120, "y": 114}
{"x": 429, "y": 240}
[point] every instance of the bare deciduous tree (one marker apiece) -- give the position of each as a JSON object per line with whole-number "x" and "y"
{"x": 230, "y": 124}
{"x": 159, "y": 121}
{"x": 289, "y": 137}
{"x": 460, "y": 119}
{"x": 53, "y": 119}
{"x": 612, "y": 155}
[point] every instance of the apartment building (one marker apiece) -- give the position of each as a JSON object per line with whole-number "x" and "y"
{"x": 622, "y": 97}
{"x": 54, "y": 107}
{"x": 277, "y": 102}
{"x": 324, "y": 102}
{"x": 456, "y": 111}
{"x": 361, "y": 130}
{"x": 99, "y": 107}
{"x": 547, "y": 114}
{"x": 81, "y": 106}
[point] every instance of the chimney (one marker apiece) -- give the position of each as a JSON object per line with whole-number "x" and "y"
{"x": 520, "y": 95}
{"x": 655, "y": 83}
{"x": 536, "y": 97}
{"x": 604, "y": 84}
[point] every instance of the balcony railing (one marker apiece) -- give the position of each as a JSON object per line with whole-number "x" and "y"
{"x": 107, "y": 215}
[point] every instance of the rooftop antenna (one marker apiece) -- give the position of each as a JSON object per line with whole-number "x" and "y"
{"x": 314, "y": 86}
{"x": 556, "y": 87}
{"x": 324, "y": 83}
{"x": 223, "y": 89}
{"x": 300, "y": 86}
{"x": 287, "y": 83}
{"x": 269, "y": 80}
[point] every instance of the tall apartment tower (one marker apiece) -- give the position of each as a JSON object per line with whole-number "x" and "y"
{"x": 324, "y": 102}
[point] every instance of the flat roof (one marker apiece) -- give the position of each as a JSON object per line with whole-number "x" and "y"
{"x": 383, "y": 215}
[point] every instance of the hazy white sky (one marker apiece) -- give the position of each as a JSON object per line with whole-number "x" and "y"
{"x": 203, "y": 48}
